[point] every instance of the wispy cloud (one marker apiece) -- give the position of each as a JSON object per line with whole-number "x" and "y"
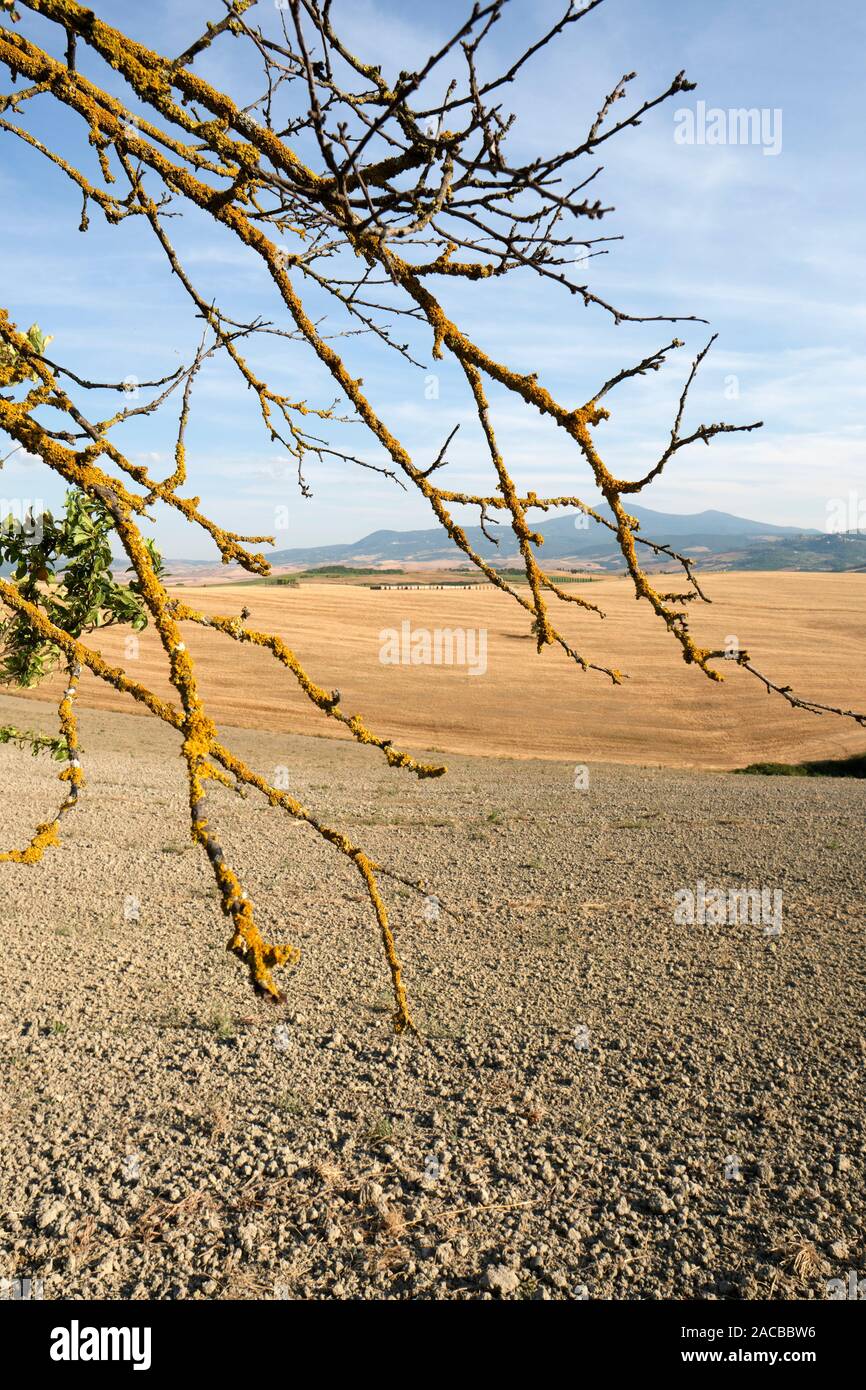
{"x": 769, "y": 249}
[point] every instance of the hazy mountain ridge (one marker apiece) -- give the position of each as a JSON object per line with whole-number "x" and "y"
{"x": 715, "y": 539}
{"x": 712, "y": 536}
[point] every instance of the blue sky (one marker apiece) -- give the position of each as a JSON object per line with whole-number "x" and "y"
{"x": 767, "y": 247}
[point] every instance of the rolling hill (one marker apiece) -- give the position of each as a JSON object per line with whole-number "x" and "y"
{"x": 717, "y": 540}
{"x": 713, "y": 537}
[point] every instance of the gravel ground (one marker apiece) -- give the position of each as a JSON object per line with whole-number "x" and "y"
{"x": 604, "y": 1103}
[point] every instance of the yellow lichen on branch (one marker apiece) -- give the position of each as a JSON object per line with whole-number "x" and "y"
{"x": 322, "y": 194}
{"x": 48, "y": 833}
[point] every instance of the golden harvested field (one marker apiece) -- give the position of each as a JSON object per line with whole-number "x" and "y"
{"x": 806, "y": 630}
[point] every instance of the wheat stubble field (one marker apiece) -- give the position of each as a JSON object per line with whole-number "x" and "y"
{"x": 805, "y": 630}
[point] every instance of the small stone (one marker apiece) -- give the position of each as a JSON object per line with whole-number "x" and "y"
{"x": 500, "y": 1279}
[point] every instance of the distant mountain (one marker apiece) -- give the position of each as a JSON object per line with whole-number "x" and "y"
{"x": 727, "y": 541}
{"x": 715, "y": 539}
